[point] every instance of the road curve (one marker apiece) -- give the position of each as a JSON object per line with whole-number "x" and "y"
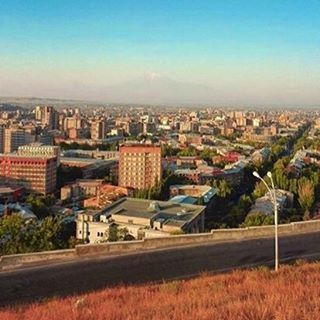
{"x": 94, "y": 273}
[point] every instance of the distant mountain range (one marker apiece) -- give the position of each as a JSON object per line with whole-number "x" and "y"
{"x": 150, "y": 89}
{"x": 147, "y": 90}
{"x": 157, "y": 90}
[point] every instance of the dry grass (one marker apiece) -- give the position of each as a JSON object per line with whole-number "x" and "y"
{"x": 292, "y": 294}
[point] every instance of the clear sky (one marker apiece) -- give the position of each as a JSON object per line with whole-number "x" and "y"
{"x": 247, "y": 51}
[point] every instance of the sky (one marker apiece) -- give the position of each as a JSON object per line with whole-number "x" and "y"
{"x": 211, "y": 51}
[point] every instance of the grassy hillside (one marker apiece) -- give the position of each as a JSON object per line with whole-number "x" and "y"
{"x": 292, "y": 294}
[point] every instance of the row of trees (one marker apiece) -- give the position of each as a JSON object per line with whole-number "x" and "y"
{"x": 161, "y": 190}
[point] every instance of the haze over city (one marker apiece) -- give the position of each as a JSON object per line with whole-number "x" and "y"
{"x": 162, "y": 52}
{"x": 159, "y": 159}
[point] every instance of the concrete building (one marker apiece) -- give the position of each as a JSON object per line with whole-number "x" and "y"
{"x": 201, "y": 193}
{"x": 41, "y": 150}
{"x": 80, "y": 188}
{"x": 98, "y": 129}
{"x": 89, "y": 167}
{"x": 34, "y": 173}
{"x": 142, "y": 218}
{"x": 13, "y": 137}
{"x": 139, "y": 166}
{"x": 264, "y": 205}
{"x": 48, "y": 117}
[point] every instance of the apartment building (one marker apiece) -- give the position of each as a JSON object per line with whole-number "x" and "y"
{"x": 139, "y": 166}
{"x": 97, "y": 129}
{"x": 13, "y": 137}
{"x": 48, "y": 117}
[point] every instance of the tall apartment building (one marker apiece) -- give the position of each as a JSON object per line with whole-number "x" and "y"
{"x": 12, "y": 138}
{"x": 139, "y": 166}
{"x": 34, "y": 173}
{"x": 98, "y": 129}
{"x": 48, "y": 117}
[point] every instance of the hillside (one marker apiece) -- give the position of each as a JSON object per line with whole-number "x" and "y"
{"x": 261, "y": 294}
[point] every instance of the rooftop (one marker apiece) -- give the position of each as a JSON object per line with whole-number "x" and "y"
{"x": 149, "y": 209}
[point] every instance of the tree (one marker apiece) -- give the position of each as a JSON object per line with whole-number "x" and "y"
{"x": 190, "y": 151}
{"x": 260, "y": 190}
{"x": 223, "y": 188}
{"x": 118, "y": 234}
{"x": 21, "y": 236}
{"x": 306, "y": 195}
{"x": 11, "y": 235}
{"x": 258, "y": 219}
{"x": 113, "y": 233}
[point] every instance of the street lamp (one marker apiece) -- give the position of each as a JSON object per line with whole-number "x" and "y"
{"x": 274, "y": 201}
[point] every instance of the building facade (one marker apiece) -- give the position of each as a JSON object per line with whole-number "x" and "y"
{"x": 34, "y": 173}
{"x": 139, "y": 166}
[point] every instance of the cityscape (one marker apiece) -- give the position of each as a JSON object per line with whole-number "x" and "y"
{"x": 153, "y": 196}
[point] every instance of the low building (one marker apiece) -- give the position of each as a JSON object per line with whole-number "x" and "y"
{"x": 88, "y": 166}
{"x": 264, "y": 205}
{"x": 201, "y": 193}
{"x": 10, "y": 194}
{"x": 106, "y": 195}
{"x": 260, "y": 156}
{"x": 94, "y": 192}
{"x": 142, "y": 218}
{"x": 80, "y": 189}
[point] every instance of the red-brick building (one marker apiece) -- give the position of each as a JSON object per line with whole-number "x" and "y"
{"x": 139, "y": 166}
{"x": 36, "y": 174}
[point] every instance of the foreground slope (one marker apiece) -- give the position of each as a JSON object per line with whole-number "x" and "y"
{"x": 293, "y": 293}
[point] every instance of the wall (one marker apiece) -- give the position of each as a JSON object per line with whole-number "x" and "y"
{"x": 21, "y": 260}
{"x": 18, "y": 260}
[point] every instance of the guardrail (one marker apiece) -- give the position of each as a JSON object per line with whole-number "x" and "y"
{"x": 109, "y": 248}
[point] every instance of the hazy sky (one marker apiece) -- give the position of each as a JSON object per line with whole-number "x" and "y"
{"x": 246, "y": 51}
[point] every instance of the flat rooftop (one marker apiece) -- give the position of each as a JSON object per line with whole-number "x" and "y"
{"x": 150, "y": 209}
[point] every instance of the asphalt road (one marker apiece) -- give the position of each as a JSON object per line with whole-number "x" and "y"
{"x": 80, "y": 276}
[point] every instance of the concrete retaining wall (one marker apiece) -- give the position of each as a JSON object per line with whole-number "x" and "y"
{"x": 18, "y": 260}
{"x": 14, "y": 261}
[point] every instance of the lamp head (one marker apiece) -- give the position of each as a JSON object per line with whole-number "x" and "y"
{"x": 269, "y": 174}
{"x": 256, "y": 174}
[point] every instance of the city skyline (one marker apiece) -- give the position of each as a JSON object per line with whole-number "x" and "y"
{"x": 168, "y": 52}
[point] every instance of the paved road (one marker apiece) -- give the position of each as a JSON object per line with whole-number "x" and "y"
{"x": 99, "y": 272}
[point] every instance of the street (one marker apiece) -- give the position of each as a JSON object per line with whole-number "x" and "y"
{"x": 95, "y": 273}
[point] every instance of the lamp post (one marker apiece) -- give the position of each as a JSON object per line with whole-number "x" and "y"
{"x": 274, "y": 202}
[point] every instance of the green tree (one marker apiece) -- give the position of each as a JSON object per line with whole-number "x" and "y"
{"x": 223, "y": 188}
{"x": 113, "y": 233}
{"x": 306, "y": 196}
{"x": 258, "y": 219}
{"x": 260, "y": 190}
{"x": 20, "y": 236}
{"x": 12, "y": 237}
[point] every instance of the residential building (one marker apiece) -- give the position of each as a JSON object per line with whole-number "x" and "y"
{"x": 98, "y": 129}
{"x": 139, "y": 166}
{"x": 14, "y": 137}
{"x": 48, "y": 117}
